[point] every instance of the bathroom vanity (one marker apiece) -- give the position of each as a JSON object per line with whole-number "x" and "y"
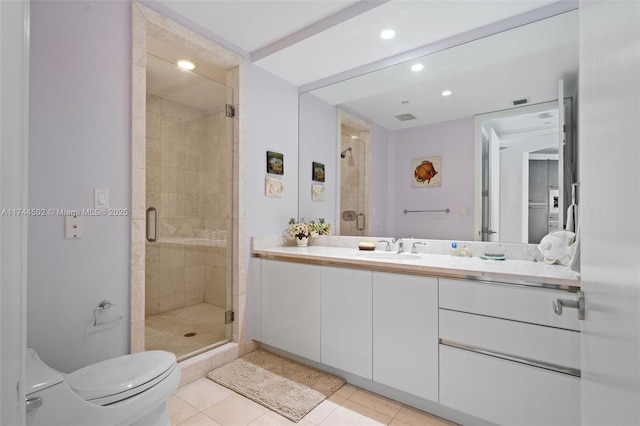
{"x": 454, "y": 336}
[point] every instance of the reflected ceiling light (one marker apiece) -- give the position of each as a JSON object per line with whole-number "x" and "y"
{"x": 387, "y": 34}
{"x": 417, "y": 67}
{"x": 187, "y": 65}
{"x": 446, "y": 93}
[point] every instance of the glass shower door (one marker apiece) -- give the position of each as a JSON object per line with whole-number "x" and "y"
{"x": 188, "y": 267}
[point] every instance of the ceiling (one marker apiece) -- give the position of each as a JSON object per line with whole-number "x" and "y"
{"x": 303, "y": 41}
{"x": 309, "y": 42}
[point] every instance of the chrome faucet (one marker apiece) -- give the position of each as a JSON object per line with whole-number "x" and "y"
{"x": 400, "y": 244}
{"x": 414, "y": 249}
{"x": 388, "y": 245}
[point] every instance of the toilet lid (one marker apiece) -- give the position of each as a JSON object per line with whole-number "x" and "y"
{"x": 118, "y": 378}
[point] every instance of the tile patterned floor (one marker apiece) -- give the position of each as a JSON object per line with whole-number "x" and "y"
{"x": 167, "y": 331}
{"x": 205, "y": 403}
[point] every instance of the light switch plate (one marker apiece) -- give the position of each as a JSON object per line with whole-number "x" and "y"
{"x": 100, "y": 198}
{"x": 74, "y": 227}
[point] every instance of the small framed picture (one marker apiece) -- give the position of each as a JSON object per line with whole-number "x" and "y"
{"x": 275, "y": 163}
{"x": 317, "y": 192}
{"x": 273, "y": 187}
{"x": 317, "y": 172}
{"x": 426, "y": 172}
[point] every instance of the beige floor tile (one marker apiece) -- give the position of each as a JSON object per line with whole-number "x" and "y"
{"x": 376, "y": 402}
{"x": 271, "y": 418}
{"x": 353, "y": 414}
{"x": 322, "y": 410}
{"x": 198, "y": 420}
{"x": 179, "y": 411}
{"x": 346, "y": 391}
{"x": 203, "y": 393}
{"x": 412, "y": 417}
{"x": 235, "y": 410}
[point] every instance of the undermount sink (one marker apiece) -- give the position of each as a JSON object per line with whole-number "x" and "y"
{"x": 389, "y": 255}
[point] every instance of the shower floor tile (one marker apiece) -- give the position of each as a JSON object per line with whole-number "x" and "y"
{"x": 167, "y": 331}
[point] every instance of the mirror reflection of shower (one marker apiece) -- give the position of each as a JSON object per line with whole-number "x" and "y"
{"x": 353, "y": 146}
{"x": 343, "y": 154}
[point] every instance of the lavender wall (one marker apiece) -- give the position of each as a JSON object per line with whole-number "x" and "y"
{"x": 80, "y": 138}
{"x": 454, "y": 142}
{"x": 318, "y": 131}
{"x": 268, "y": 122}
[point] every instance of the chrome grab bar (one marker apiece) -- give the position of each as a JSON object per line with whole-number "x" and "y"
{"x": 405, "y": 211}
{"x": 157, "y": 225}
{"x": 558, "y": 304}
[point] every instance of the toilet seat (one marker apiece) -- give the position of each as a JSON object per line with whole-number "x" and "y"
{"x": 120, "y": 378}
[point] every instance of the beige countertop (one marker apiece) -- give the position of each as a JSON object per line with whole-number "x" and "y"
{"x": 524, "y": 272}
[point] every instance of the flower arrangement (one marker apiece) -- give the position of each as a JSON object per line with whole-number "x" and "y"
{"x": 320, "y": 226}
{"x": 300, "y": 230}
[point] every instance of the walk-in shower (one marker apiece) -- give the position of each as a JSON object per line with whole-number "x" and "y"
{"x": 189, "y": 154}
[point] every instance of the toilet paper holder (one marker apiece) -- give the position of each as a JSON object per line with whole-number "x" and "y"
{"x": 103, "y": 308}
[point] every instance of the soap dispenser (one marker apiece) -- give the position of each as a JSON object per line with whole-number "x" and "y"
{"x": 454, "y": 249}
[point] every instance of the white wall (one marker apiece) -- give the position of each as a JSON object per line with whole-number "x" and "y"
{"x": 268, "y": 122}
{"x": 318, "y": 132}
{"x": 80, "y": 138}
{"x": 609, "y": 142}
{"x": 454, "y": 142}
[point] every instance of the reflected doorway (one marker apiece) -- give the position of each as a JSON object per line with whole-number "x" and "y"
{"x": 521, "y": 172}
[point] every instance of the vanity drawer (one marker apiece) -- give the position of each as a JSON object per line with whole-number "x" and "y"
{"x": 515, "y": 302}
{"x": 548, "y": 347}
{"x": 505, "y": 392}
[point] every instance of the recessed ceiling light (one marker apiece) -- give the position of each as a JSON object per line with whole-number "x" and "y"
{"x": 387, "y": 34}
{"x": 187, "y": 65}
{"x": 446, "y": 93}
{"x": 417, "y": 67}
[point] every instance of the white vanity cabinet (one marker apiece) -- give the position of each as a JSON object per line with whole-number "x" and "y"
{"x": 290, "y": 311}
{"x": 505, "y": 356}
{"x": 346, "y": 332}
{"x": 405, "y": 333}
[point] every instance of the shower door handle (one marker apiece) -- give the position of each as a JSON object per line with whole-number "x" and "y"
{"x": 156, "y": 224}
{"x": 358, "y": 216}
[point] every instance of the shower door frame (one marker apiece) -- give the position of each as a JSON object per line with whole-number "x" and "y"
{"x": 147, "y": 21}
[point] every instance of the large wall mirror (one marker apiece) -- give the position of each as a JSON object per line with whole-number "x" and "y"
{"x": 420, "y": 138}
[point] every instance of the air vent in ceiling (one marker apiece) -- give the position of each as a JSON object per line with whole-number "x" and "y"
{"x": 405, "y": 117}
{"x": 522, "y": 101}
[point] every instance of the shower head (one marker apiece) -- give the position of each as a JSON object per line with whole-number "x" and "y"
{"x": 343, "y": 154}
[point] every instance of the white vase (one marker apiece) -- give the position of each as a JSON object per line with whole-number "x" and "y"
{"x": 302, "y": 242}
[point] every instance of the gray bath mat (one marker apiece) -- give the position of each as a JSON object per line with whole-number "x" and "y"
{"x": 284, "y": 386}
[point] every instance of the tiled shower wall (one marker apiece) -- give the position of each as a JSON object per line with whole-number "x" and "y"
{"x": 352, "y": 181}
{"x": 188, "y": 180}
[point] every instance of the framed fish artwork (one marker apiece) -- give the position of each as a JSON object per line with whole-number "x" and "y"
{"x": 426, "y": 172}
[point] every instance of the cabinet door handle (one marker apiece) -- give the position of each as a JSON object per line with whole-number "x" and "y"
{"x": 558, "y": 304}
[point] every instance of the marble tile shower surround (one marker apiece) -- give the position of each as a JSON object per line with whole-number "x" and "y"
{"x": 188, "y": 175}
{"x": 351, "y": 183}
{"x": 478, "y": 248}
{"x": 147, "y": 21}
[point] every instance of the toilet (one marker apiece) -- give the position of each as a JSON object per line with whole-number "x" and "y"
{"x": 128, "y": 390}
